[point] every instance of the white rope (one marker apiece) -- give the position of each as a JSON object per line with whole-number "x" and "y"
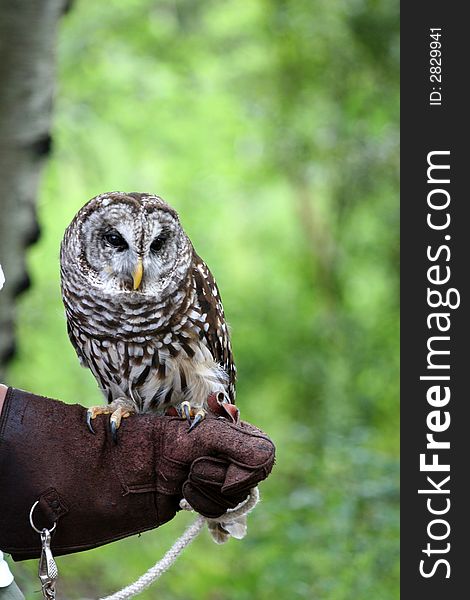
{"x": 188, "y": 536}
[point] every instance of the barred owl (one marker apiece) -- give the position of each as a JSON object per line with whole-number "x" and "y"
{"x": 144, "y": 313}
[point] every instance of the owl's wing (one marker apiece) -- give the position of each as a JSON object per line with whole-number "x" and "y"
{"x": 77, "y": 346}
{"x": 216, "y": 335}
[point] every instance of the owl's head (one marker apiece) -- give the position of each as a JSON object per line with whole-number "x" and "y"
{"x": 128, "y": 243}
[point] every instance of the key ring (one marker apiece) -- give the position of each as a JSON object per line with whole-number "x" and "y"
{"x": 32, "y": 523}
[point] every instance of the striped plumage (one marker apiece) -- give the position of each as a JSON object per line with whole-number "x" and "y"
{"x": 157, "y": 345}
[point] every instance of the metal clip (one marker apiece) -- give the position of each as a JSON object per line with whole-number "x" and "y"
{"x": 47, "y": 566}
{"x": 47, "y": 571}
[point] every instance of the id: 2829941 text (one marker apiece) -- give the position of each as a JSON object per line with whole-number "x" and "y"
{"x": 435, "y": 66}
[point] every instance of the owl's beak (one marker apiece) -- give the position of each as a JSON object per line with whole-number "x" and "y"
{"x": 138, "y": 273}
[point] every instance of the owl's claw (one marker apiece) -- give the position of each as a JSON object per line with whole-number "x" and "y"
{"x": 113, "y": 427}
{"x": 186, "y": 409}
{"x": 116, "y": 418}
{"x": 198, "y": 417}
{"x": 193, "y": 417}
{"x": 93, "y": 412}
{"x": 117, "y": 414}
{"x": 88, "y": 421}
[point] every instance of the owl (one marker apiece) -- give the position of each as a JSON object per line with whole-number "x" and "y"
{"x": 144, "y": 313}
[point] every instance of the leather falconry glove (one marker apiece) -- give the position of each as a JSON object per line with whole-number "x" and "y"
{"x": 98, "y": 491}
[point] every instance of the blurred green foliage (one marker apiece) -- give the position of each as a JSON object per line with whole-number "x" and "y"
{"x": 272, "y": 127}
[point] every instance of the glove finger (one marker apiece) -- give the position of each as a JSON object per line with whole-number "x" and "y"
{"x": 230, "y": 478}
{"x": 243, "y": 443}
{"x": 211, "y": 505}
{"x": 209, "y": 471}
{"x": 241, "y": 479}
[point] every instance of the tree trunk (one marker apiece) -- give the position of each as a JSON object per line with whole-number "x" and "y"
{"x": 27, "y": 69}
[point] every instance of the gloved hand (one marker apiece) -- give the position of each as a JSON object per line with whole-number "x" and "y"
{"x": 98, "y": 491}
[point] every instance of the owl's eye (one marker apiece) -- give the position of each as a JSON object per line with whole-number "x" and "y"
{"x": 158, "y": 242}
{"x": 115, "y": 239}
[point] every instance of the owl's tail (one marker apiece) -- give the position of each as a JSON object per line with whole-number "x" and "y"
{"x": 223, "y": 531}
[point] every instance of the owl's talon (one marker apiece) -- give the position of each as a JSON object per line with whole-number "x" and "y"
{"x": 93, "y": 412}
{"x": 114, "y": 428}
{"x": 186, "y": 409}
{"x": 200, "y": 416}
{"x": 118, "y": 410}
{"x": 116, "y": 418}
{"x": 193, "y": 416}
{"x": 89, "y": 417}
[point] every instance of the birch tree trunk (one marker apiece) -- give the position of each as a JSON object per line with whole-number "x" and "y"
{"x": 27, "y": 70}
